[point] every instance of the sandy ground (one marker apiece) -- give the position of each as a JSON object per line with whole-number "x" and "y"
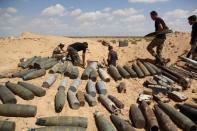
{"x": 28, "y": 45}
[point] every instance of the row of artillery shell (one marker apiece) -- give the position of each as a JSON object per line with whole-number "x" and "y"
{"x": 138, "y": 69}
{"x": 24, "y": 90}
{"x": 38, "y": 62}
{"x": 28, "y": 74}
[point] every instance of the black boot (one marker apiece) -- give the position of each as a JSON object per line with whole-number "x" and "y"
{"x": 159, "y": 60}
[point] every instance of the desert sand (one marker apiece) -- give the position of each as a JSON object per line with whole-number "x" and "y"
{"x": 29, "y": 44}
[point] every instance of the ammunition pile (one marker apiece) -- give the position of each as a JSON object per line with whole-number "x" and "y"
{"x": 162, "y": 85}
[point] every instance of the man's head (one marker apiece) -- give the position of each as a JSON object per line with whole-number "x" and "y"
{"x": 110, "y": 47}
{"x": 192, "y": 19}
{"x": 153, "y": 15}
{"x": 86, "y": 44}
{"x": 61, "y": 45}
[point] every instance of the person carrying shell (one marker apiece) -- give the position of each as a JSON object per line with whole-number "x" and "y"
{"x": 159, "y": 39}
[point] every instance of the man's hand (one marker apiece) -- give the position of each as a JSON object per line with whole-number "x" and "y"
{"x": 84, "y": 64}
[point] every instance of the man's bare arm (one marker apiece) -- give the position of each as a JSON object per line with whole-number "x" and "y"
{"x": 160, "y": 27}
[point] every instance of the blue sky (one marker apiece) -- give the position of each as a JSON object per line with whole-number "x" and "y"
{"x": 92, "y": 17}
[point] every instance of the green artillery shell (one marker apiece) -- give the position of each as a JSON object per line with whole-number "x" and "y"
{"x": 101, "y": 88}
{"x": 68, "y": 69}
{"x": 75, "y": 121}
{"x": 59, "y": 128}
{"x": 62, "y": 84}
{"x": 86, "y": 73}
{"x": 180, "y": 119}
{"x": 102, "y": 123}
{"x": 90, "y": 88}
{"x": 123, "y": 72}
{"x": 55, "y": 68}
{"x": 81, "y": 98}
{"x": 37, "y": 64}
{"x": 20, "y": 91}
{"x": 110, "y": 106}
{"x": 34, "y": 74}
{"x": 62, "y": 68}
{"x": 90, "y": 99}
{"x": 34, "y": 61}
{"x": 22, "y": 73}
{"x": 7, "y": 126}
{"x": 138, "y": 71}
{"x": 114, "y": 73}
{"x": 191, "y": 105}
{"x": 150, "y": 117}
{"x": 75, "y": 85}
{"x": 188, "y": 111}
{"x": 17, "y": 110}
{"x": 6, "y": 95}
{"x": 38, "y": 91}
{"x": 45, "y": 63}
{"x": 143, "y": 68}
{"x": 137, "y": 117}
{"x": 150, "y": 68}
{"x": 164, "y": 120}
{"x": 73, "y": 101}
{"x": 155, "y": 68}
{"x": 103, "y": 74}
{"x": 49, "y": 64}
{"x": 49, "y": 81}
{"x": 170, "y": 76}
{"x": 130, "y": 70}
{"x": 120, "y": 124}
{"x": 74, "y": 73}
{"x": 26, "y": 63}
{"x": 117, "y": 102}
{"x": 60, "y": 98}
{"x": 122, "y": 87}
{"x": 93, "y": 75}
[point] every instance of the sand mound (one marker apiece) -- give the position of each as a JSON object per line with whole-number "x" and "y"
{"x": 29, "y": 44}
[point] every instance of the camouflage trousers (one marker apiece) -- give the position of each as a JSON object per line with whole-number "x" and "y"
{"x": 73, "y": 54}
{"x": 58, "y": 56}
{"x": 158, "y": 44}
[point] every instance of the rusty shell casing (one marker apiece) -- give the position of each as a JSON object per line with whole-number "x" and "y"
{"x": 150, "y": 117}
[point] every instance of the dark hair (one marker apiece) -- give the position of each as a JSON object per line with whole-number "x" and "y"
{"x": 154, "y": 13}
{"x": 110, "y": 47}
{"x": 61, "y": 45}
{"x": 86, "y": 44}
{"x": 192, "y": 18}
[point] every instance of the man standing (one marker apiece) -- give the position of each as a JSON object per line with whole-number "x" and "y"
{"x": 58, "y": 52}
{"x": 73, "y": 50}
{"x": 112, "y": 56}
{"x": 159, "y": 40}
{"x": 193, "y": 42}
